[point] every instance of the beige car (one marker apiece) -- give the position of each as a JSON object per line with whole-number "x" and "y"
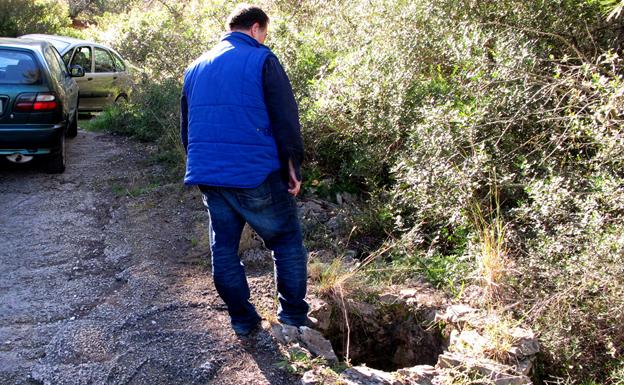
{"x": 106, "y": 79}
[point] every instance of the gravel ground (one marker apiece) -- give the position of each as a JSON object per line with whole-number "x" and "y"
{"x": 104, "y": 278}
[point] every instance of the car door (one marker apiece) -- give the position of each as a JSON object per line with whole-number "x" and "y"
{"x": 83, "y": 56}
{"x": 104, "y": 78}
{"x": 123, "y": 81}
{"x": 68, "y": 91}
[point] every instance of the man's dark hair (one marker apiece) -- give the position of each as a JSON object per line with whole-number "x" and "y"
{"x": 245, "y": 16}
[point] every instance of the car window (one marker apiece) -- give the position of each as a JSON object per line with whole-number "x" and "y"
{"x": 67, "y": 57}
{"x": 103, "y": 61}
{"x": 82, "y": 57}
{"x": 60, "y": 61}
{"x": 18, "y": 67}
{"x": 55, "y": 67}
{"x": 120, "y": 66}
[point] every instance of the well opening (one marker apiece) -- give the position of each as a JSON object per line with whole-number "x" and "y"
{"x": 385, "y": 337}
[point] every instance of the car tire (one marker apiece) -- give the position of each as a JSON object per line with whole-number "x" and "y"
{"x": 72, "y": 128}
{"x": 56, "y": 160}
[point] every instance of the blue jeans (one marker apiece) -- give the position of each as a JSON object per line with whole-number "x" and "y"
{"x": 272, "y": 212}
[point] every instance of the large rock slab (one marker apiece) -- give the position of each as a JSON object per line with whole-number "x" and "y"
{"x": 362, "y": 375}
{"x": 312, "y": 340}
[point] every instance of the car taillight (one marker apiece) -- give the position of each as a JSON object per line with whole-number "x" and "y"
{"x": 41, "y": 102}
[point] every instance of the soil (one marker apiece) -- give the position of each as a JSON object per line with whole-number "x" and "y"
{"x": 105, "y": 279}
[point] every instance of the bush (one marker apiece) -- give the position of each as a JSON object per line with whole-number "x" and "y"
{"x": 21, "y": 17}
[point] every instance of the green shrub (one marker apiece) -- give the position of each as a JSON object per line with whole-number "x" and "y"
{"x": 21, "y": 17}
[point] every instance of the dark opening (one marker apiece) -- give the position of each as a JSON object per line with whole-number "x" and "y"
{"x": 387, "y": 338}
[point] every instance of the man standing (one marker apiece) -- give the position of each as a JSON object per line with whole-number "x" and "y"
{"x": 240, "y": 128}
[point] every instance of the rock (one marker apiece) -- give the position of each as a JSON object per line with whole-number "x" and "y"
{"x": 363, "y": 309}
{"x": 449, "y": 360}
{"x": 314, "y": 209}
{"x": 312, "y": 206}
{"x": 337, "y": 223}
{"x": 317, "y": 344}
{"x": 285, "y": 334}
{"x": 468, "y": 342}
{"x": 497, "y": 373}
{"x": 456, "y": 313}
{"x": 311, "y": 340}
{"x": 388, "y": 298}
{"x": 255, "y": 255}
{"x": 350, "y": 254}
{"x": 407, "y": 293}
{"x": 526, "y": 342}
{"x": 311, "y": 378}
{"x": 524, "y": 367}
{"x": 362, "y": 375}
{"x": 417, "y": 375}
{"x": 320, "y": 310}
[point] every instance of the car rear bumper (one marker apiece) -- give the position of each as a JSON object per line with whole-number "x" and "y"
{"x": 30, "y": 139}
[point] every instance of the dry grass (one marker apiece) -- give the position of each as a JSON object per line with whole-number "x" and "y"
{"x": 492, "y": 261}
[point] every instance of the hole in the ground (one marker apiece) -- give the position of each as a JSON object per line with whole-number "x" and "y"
{"x": 385, "y": 337}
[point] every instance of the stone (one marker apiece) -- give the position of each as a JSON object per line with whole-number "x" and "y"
{"x": 362, "y": 375}
{"x": 526, "y": 341}
{"x": 497, "y": 373}
{"x": 336, "y": 224}
{"x": 449, "y": 360}
{"x": 255, "y": 255}
{"x": 285, "y": 334}
{"x": 350, "y": 254}
{"x": 363, "y": 309}
{"x": 388, "y": 298}
{"x": 320, "y": 310}
{"x": 407, "y": 293}
{"x": 311, "y": 378}
{"x": 456, "y": 313}
{"x": 320, "y": 346}
{"x": 417, "y": 375}
{"x": 468, "y": 342}
{"x": 524, "y": 367}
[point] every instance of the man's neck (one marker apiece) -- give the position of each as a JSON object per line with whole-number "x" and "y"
{"x": 245, "y": 31}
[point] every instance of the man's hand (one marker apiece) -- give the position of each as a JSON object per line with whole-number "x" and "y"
{"x": 293, "y": 182}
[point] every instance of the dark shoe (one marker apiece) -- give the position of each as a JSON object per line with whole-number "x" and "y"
{"x": 248, "y": 331}
{"x": 310, "y": 322}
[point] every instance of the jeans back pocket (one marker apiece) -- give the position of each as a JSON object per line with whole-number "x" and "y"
{"x": 255, "y": 199}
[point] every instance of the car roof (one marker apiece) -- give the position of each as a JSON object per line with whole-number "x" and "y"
{"x": 23, "y": 43}
{"x": 63, "y": 42}
{"x": 64, "y": 39}
{"x": 60, "y": 42}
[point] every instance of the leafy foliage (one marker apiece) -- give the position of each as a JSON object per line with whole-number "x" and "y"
{"x": 21, "y": 17}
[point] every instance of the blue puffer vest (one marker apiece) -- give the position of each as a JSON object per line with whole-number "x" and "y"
{"x": 230, "y": 143}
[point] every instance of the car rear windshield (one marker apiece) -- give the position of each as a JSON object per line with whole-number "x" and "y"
{"x": 18, "y": 67}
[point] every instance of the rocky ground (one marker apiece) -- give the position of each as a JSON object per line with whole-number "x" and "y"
{"x": 105, "y": 280}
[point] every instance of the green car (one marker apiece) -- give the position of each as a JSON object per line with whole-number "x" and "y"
{"x": 38, "y": 102}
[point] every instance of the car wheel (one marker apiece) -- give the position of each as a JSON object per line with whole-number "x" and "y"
{"x": 56, "y": 160}
{"x": 72, "y": 128}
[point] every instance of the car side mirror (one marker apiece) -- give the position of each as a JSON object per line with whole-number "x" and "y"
{"x": 76, "y": 71}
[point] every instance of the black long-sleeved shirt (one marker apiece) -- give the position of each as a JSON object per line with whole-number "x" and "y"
{"x": 283, "y": 114}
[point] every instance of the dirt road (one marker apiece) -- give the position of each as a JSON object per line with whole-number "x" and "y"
{"x": 102, "y": 279}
